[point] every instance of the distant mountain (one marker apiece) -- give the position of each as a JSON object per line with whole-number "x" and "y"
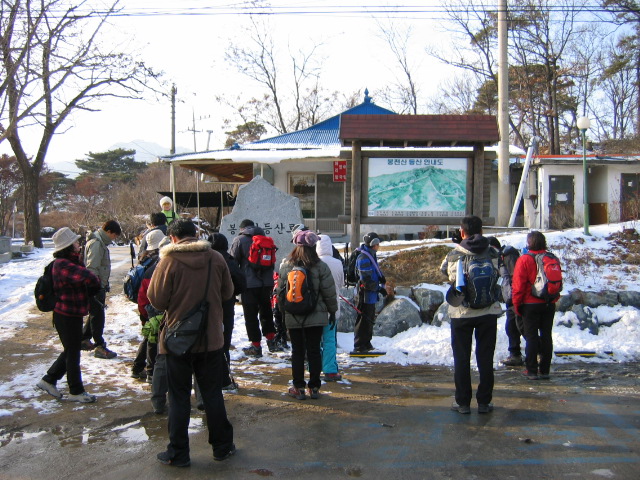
{"x": 147, "y": 152}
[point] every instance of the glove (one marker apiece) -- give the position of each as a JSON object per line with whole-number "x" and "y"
{"x": 332, "y": 319}
{"x": 383, "y": 280}
{"x": 383, "y": 292}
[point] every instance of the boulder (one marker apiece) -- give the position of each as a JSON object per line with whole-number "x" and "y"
{"x": 595, "y": 299}
{"x": 346, "y": 319}
{"x": 399, "y": 315}
{"x": 587, "y": 320}
{"x": 442, "y": 315}
{"x": 564, "y": 303}
{"x": 428, "y": 301}
{"x": 631, "y": 299}
{"x": 404, "y": 292}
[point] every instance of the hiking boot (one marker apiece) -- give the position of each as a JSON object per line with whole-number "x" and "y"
{"x": 231, "y": 452}
{"x": 231, "y": 387}
{"x": 485, "y": 407}
{"x": 165, "y": 459}
{"x": 544, "y": 376}
{"x": 464, "y": 409}
{"x": 332, "y": 377}
{"x": 530, "y": 375}
{"x": 87, "y": 345}
{"x": 50, "y": 388}
{"x": 139, "y": 375}
{"x": 314, "y": 393}
{"x": 252, "y": 351}
{"x": 297, "y": 393}
{"x": 274, "y": 346}
{"x": 103, "y": 352}
{"x": 83, "y": 397}
{"x": 513, "y": 361}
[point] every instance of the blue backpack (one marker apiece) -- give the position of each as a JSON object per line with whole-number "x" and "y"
{"x": 133, "y": 279}
{"x": 481, "y": 281}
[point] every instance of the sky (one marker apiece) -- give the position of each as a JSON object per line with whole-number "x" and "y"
{"x": 422, "y": 345}
{"x": 187, "y": 40}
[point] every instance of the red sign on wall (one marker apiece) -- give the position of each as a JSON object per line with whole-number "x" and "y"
{"x": 340, "y": 171}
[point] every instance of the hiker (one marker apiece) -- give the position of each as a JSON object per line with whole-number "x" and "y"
{"x": 537, "y": 313}
{"x": 177, "y": 285}
{"x": 73, "y": 284}
{"x": 371, "y": 283}
{"x": 256, "y": 299}
{"x": 305, "y": 329}
{"x": 468, "y": 317}
{"x": 98, "y": 261}
{"x": 330, "y": 331}
{"x": 157, "y": 221}
{"x": 148, "y": 349}
{"x": 220, "y": 244}
{"x": 167, "y": 209}
{"x": 506, "y": 266}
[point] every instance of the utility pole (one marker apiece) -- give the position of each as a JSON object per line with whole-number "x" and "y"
{"x": 504, "y": 200}
{"x": 193, "y": 129}
{"x": 209, "y": 132}
{"x": 174, "y": 91}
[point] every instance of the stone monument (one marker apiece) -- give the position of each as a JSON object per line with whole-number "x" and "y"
{"x": 270, "y": 209}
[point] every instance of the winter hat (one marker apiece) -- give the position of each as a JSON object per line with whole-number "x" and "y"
{"x": 63, "y": 238}
{"x": 154, "y": 238}
{"x": 219, "y": 242}
{"x": 247, "y": 223}
{"x": 306, "y": 238}
{"x": 164, "y": 200}
{"x": 371, "y": 239}
{"x": 299, "y": 227}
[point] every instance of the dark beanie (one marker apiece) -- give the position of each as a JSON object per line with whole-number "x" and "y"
{"x": 371, "y": 239}
{"x": 247, "y": 223}
{"x": 219, "y": 242}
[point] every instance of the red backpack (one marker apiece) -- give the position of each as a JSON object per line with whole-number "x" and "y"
{"x": 262, "y": 252}
{"x": 548, "y": 283}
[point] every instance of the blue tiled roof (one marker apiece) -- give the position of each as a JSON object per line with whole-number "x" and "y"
{"x": 324, "y": 133}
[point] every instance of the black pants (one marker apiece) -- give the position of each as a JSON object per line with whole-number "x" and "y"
{"x": 363, "y": 331}
{"x": 228, "y": 308}
{"x": 94, "y": 326}
{"x": 208, "y": 371}
{"x": 306, "y": 341}
{"x": 462, "y": 332}
{"x": 68, "y": 362}
{"x": 513, "y": 334}
{"x": 257, "y": 301}
{"x": 538, "y": 323}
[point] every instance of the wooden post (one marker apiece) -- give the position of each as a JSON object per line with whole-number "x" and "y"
{"x": 356, "y": 186}
{"x": 478, "y": 179}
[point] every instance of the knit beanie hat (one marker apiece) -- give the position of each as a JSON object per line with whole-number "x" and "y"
{"x": 164, "y": 200}
{"x": 219, "y": 242}
{"x": 247, "y": 223}
{"x": 306, "y": 238}
{"x": 371, "y": 239}
{"x": 299, "y": 227}
{"x": 154, "y": 238}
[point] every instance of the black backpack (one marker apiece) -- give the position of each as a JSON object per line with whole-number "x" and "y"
{"x": 46, "y": 297}
{"x": 352, "y": 276}
{"x": 508, "y": 258}
{"x": 481, "y": 281}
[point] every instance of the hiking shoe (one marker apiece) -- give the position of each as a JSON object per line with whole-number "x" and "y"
{"x": 200, "y": 406}
{"x": 103, "y": 352}
{"x": 232, "y": 387}
{"x": 83, "y": 397}
{"x": 50, "y": 388}
{"x": 139, "y": 375}
{"x": 485, "y": 407}
{"x": 159, "y": 410}
{"x": 87, "y": 345}
{"x": 544, "y": 376}
{"x": 297, "y": 393}
{"x": 165, "y": 459}
{"x": 332, "y": 377}
{"x": 252, "y": 351}
{"x": 513, "y": 361}
{"x": 314, "y": 393}
{"x": 465, "y": 409}
{"x": 274, "y": 346}
{"x": 232, "y": 451}
{"x": 530, "y": 375}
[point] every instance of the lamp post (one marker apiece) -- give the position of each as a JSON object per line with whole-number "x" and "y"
{"x": 583, "y": 125}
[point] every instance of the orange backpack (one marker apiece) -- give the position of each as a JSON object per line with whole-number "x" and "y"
{"x": 299, "y": 298}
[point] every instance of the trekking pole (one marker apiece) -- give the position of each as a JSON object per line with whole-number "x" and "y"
{"x": 132, "y": 249}
{"x": 350, "y": 304}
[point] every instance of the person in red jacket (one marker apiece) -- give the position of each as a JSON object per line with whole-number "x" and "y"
{"x": 537, "y": 314}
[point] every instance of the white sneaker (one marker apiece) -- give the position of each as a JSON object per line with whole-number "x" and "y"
{"x": 50, "y": 388}
{"x": 83, "y": 397}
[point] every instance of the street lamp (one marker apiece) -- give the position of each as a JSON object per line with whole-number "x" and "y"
{"x": 583, "y": 125}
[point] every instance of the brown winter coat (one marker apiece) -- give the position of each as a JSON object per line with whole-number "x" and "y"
{"x": 178, "y": 284}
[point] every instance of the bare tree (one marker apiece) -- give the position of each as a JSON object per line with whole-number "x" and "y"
{"x": 53, "y": 64}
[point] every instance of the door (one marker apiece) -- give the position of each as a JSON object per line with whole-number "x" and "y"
{"x": 629, "y": 196}
{"x": 321, "y": 200}
{"x": 561, "y": 201}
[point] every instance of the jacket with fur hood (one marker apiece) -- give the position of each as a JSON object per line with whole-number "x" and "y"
{"x": 240, "y": 252}
{"x": 178, "y": 284}
{"x": 473, "y": 245}
{"x": 96, "y": 256}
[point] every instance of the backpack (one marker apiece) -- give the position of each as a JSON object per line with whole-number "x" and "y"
{"x": 481, "y": 282}
{"x": 46, "y": 297}
{"x": 508, "y": 258}
{"x": 548, "y": 283}
{"x": 262, "y": 252}
{"x": 133, "y": 279}
{"x": 299, "y": 296}
{"x": 352, "y": 276}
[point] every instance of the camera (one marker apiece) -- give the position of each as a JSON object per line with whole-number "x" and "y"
{"x": 456, "y": 236}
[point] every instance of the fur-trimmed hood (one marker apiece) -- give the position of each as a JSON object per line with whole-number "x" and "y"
{"x": 187, "y": 251}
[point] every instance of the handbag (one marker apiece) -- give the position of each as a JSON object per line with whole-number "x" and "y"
{"x": 182, "y": 336}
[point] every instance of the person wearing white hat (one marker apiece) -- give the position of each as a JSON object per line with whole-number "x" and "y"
{"x": 73, "y": 284}
{"x": 167, "y": 208}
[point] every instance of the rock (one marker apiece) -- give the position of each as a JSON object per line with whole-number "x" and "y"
{"x": 595, "y": 299}
{"x": 5, "y": 245}
{"x": 398, "y": 316}
{"x": 404, "y": 292}
{"x": 442, "y": 315}
{"x": 428, "y": 301}
{"x": 586, "y": 319}
{"x": 629, "y": 298}
{"x": 5, "y": 257}
{"x": 564, "y": 303}
{"x": 346, "y": 319}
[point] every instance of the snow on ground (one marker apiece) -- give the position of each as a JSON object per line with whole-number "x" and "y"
{"x": 426, "y": 344}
